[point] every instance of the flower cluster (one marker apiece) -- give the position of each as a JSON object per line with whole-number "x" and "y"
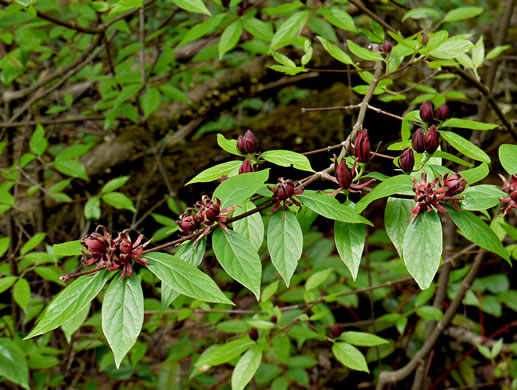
{"x": 110, "y": 253}
{"x": 203, "y": 215}
{"x": 427, "y": 113}
{"x": 429, "y": 195}
{"x": 510, "y": 189}
{"x": 284, "y": 191}
{"x": 426, "y": 142}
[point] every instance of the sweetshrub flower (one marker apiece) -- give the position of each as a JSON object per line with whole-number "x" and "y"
{"x": 511, "y": 190}
{"x": 362, "y": 146}
{"x": 284, "y": 191}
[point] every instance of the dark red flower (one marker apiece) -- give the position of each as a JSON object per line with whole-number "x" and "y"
{"x": 432, "y": 140}
{"x": 247, "y": 143}
{"x": 343, "y": 174}
{"x": 335, "y": 330}
{"x": 427, "y": 111}
{"x": 387, "y": 46}
{"x": 188, "y": 222}
{"x": 127, "y": 252}
{"x": 407, "y": 160}
{"x": 425, "y": 38}
{"x": 253, "y": 333}
{"x": 99, "y": 248}
{"x": 246, "y": 167}
{"x": 443, "y": 112}
{"x": 454, "y": 183}
{"x": 426, "y": 196}
{"x": 418, "y": 141}
{"x": 284, "y": 191}
{"x": 362, "y": 146}
{"x": 510, "y": 189}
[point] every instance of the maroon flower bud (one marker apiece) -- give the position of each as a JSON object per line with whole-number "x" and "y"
{"x": 432, "y": 140}
{"x": 426, "y": 111}
{"x": 387, "y": 46}
{"x": 335, "y": 330}
{"x": 443, "y": 112}
{"x": 407, "y": 160}
{"x": 425, "y": 39}
{"x": 362, "y": 146}
{"x": 274, "y": 319}
{"x": 246, "y": 167}
{"x": 188, "y": 223}
{"x": 454, "y": 183}
{"x": 247, "y": 143}
{"x": 240, "y": 11}
{"x": 95, "y": 244}
{"x": 212, "y": 210}
{"x": 253, "y": 333}
{"x": 418, "y": 141}
{"x": 284, "y": 189}
{"x": 225, "y": 3}
{"x": 343, "y": 175}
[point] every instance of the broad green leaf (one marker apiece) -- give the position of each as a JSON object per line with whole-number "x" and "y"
{"x": 92, "y": 209}
{"x": 286, "y": 158}
{"x": 422, "y": 248}
{"x": 237, "y": 189}
{"x": 195, "y": 6}
{"x": 451, "y": 157}
{"x": 331, "y": 208}
{"x": 73, "y": 324}
{"x": 220, "y": 354}
{"x": 289, "y": 29}
{"x": 464, "y": 146}
{"x": 114, "y": 184}
{"x": 4, "y": 245}
{"x": 468, "y": 124}
{"x": 285, "y": 243}
{"x": 251, "y": 227}
{"x": 259, "y": 29}
{"x": 451, "y": 48}
{"x": 122, "y": 315}
{"x": 322, "y": 28}
{"x": 429, "y": 313}
{"x": 71, "y": 168}
{"x": 230, "y": 145}
{"x": 33, "y": 243}
{"x": 350, "y": 356}
{"x": 477, "y": 231}
{"x": 168, "y": 296}
{"x": 174, "y": 93}
{"x": 60, "y": 186}
{"x": 316, "y": 279}
{"x": 201, "y": 29}
{"x": 396, "y": 220}
{"x": 246, "y": 368}
{"x": 336, "y": 52}
{"x": 422, "y": 13}
{"x": 70, "y": 248}
{"x": 481, "y": 197}
{"x": 230, "y": 37}
{"x": 362, "y": 339}
{"x": 349, "y": 238}
{"x": 125, "y": 5}
{"x": 185, "y": 278}
{"x": 192, "y": 252}
{"x": 216, "y": 172}
{"x": 14, "y": 365}
{"x": 508, "y": 158}
{"x": 478, "y": 53}
{"x": 339, "y": 18}
{"x": 238, "y": 258}
{"x": 150, "y": 101}
{"x": 118, "y": 200}
{"x": 6, "y": 282}
{"x": 476, "y": 174}
{"x": 496, "y": 51}
{"x": 363, "y": 53}
{"x": 38, "y": 143}
{"x": 400, "y": 184}
{"x": 22, "y": 293}
{"x": 462, "y": 14}
{"x": 69, "y": 302}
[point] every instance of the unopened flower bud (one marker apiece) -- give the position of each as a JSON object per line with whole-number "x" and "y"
{"x": 418, "y": 141}
{"x": 253, "y": 333}
{"x": 407, "y": 160}
{"x": 426, "y": 111}
{"x": 336, "y": 330}
{"x": 274, "y": 319}
{"x": 432, "y": 140}
{"x": 425, "y": 38}
{"x": 188, "y": 223}
{"x": 387, "y": 46}
{"x": 246, "y": 167}
{"x": 240, "y": 11}
{"x": 443, "y": 112}
{"x": 343, "y": 175}
{"x": 362, "y": 146}
{"x": 454, "y": 183}
{"x": 284, "y": 189}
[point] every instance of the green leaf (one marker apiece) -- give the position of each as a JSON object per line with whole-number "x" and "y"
{"x": 429, "y": 313}
{"x": 508, "y": 158}
{"x": 114, "y": 184}
{"x": 69, "y": 302}
{"x": 258, "y": 29}
{"x": 220, "y": 354}
{"x": 22, "y": 293}
{"x": 422, "y": 13}
{"x": 32, "y": 243}
{"x": 238, "y": 258}
{"x": 70, "y": 248}
{"x": 478, "y": 53}
{"x": 125, "y": 5}
{"x": 168, "y": 296}
{"x": 71, "y": 168}
{"x": 468, "y": 124}
{"x": 230, "y": 37}
{"x": 185, "y": 278}
{"x": 350, "y": 356}
{"x": 285, "y": 243}
{"x": 4, "y": 245}
{"x": 396, "y": 220}
{"x": 73, "y": 324}
{"x": 288, "y": 31}
{"x": 476, "y": 174}
{"x": 452, "y": 157}
{"x": 336, "y": 52}
{"x": 174, "y": 93}
{"x": 400, "y": 184}
{"x": 246, "y": 368}
{"x": 286, "y": 158}
{"x": 92, "y": 208}
{"x": 464, "y": 146}
{"x": 362, "y": 339}
{"x": 216, "y": 172}
{"x": 462, "y": 14}
{"x": 422, "y": 248}
{"x": 195, "y": 6}
{"x": 123, "y": 315}
{"x": 339, "y": 18}
{"x": 350, "y": 238}
{"x": 6, "y": 282}
{"x": 14, "y": 365}
{"x": 201, "y": 29}
{"x": 38, "y": 143}
{"x": 481, "y": 197}
{"x": 496, "y": 51}
{"x": 316, "y": 279}
{"x": 363, "y": 53}
{"x": 119, "y": 201}
{"x": 251, "y": 227}
{"x": 331, "y": 208}
{"x": 192, "y": 253}
{"x": 230, "y": 145}
{"x": 478, "y": 232}
{"x": 451, "y": 48}
{"x": 150, "y": 101}
{"x": 237, "y": 189}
